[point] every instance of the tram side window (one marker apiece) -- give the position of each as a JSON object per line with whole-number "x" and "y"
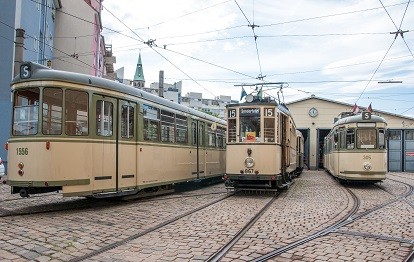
{"x": 381, "y": 138}
{"x": 212, "y": 139}
{"x": 201, "y": 134}
{"x": 76, "y": 116}
{"x": 181, "y": 124}
{"x": 350, "y": 139}
{"x": 221, "y": 137}
{"x": 104, "y": 117}
{"x": 26, "y": 112}
{"x": 151, "y": 123}
{"x": 366, "y": 138}
{"x": 232, "y": 130}
{"x": 52, "y": 111}
{"x": 249, "y": 129}
{"x": 127, "y": 121}
{"x": 167, "y": 126}
{"x": 194, "y": 133}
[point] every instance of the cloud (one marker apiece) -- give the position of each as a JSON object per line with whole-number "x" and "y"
{"x": 320, "y": 47}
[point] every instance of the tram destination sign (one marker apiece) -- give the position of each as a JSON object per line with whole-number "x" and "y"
{"x": 249, "y": 111}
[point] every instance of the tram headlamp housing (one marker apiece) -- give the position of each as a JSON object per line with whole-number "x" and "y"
{"x": 249, "y": 162}
{"x": 367, "y": 166}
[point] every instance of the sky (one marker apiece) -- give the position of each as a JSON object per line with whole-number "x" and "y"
{"x": 338, "y": 50}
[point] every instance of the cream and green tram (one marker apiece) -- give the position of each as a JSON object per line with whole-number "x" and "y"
{"x": 88, "y": 136}
{"x": 261, "y": 146}
{"x": 355, "y": 149}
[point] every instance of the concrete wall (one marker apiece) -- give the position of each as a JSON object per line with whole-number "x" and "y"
{"x": 75, "y": 36}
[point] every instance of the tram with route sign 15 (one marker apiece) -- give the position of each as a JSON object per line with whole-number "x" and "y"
{"x": 264, "y": 150}
{"x": 355, "y": 148}
{"x": 89, "y": 136}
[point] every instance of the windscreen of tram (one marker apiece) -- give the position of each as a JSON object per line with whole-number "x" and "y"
{"x": 249, "y": 125}
{"x": 364, "y": 138}
{"x": 26, "y": 112}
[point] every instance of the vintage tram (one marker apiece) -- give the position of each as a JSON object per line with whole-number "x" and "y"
{"x": 355, "y": 148}
{"x": 89, "y": 136}
{"x": 262, "y": 145}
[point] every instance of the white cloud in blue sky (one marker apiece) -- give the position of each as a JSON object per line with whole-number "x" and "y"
{"x": 327, "y": 48}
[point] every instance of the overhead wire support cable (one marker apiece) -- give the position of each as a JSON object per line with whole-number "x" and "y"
{"x": 399, "y": 31}
{"x": 375, "y": 71}
{"x": 255, "y": 37}
{"x": 151, "y": 44}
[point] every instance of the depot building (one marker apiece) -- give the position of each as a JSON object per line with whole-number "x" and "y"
{"x": 314, "y": 117}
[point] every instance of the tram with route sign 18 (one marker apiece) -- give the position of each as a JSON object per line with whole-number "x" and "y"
{"x": 93, "y": 137}
{"x": 355, "y": 148}
{"x": 264, "y": 150}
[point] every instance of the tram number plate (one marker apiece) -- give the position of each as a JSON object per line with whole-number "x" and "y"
{"x": 22, "y": 151}
{"x": 248, "y": 171}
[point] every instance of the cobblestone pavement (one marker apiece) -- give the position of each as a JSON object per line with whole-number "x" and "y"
{"x": 314, "y": 202}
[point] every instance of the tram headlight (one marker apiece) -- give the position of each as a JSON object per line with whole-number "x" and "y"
{"x": 367, "y": 166}
{"x": 249, "y": 162}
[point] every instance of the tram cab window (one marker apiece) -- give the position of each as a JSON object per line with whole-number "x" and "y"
{"x": 151, "y": 123}
{"x": 76, "y": 113}
{"x": 127, "y": 121}
{"x": 52, "y": 105}
{"x": 350, "y": 139}
{"x": 250, "y": 129}
{"x": 231, "y": 130}
{"x": 342, "y": 138}
{"x": 26, "y": 112}
{"x": 366, "y": 138}
{"x": 381, "y": 138}
{"x": 269, "y": 130}
{"x": 104, "y": 116}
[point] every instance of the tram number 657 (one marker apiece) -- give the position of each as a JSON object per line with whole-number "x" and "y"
{"x": 248, "y": 171}
{"x": 21, "y": 151}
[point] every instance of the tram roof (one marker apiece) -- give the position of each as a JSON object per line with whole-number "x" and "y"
{"x": 359, "y": 119}
{"x": 281, "y": 107}
{"x": 41, "y": 72}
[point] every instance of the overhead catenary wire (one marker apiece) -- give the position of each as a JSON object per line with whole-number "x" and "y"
{"x": 324, "y": 69}
{"x": 260, "y": 77}
{"x": 150, "y": 44}
{"x": 399, "y": 31}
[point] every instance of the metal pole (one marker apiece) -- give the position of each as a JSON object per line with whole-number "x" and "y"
{"x": 18, "y": 50}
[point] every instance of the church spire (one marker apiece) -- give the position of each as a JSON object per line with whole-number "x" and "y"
{"x": 139, "y": 80}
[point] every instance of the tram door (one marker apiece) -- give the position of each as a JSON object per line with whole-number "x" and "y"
{"x": 104, "y": 153}
{"x": 127, "y": 150}
{"x": 198, "y": 141}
